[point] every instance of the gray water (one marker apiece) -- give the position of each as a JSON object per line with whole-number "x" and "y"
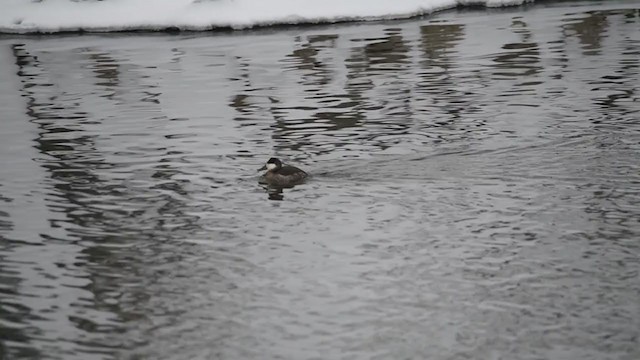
{"x": 475, "y": 190}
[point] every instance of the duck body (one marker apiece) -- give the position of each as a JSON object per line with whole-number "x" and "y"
{"x": 281, "y": 175}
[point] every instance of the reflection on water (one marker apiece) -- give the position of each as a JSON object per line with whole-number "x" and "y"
{"x": 475, "y": 190}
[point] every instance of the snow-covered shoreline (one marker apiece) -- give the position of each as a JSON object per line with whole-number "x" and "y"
{"x": 51, "y": 16}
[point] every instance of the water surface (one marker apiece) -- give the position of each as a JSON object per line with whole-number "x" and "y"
{"x": 475, "y": 190}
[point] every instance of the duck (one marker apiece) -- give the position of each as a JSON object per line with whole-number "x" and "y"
{"x": 281, "y": 175}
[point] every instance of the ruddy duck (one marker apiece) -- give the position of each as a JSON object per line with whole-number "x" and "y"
{"x": 282, "y": 175}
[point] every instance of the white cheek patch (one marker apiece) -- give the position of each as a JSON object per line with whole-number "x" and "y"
{"x": 271, "y": 166}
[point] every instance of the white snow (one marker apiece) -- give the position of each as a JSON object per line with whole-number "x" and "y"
{"x": 48, "y": 16}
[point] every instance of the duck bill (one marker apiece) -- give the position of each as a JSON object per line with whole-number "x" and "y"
{"x": 264, "y": 167}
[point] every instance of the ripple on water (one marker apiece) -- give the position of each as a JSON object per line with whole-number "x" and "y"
{"x": 474, "y": 191}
